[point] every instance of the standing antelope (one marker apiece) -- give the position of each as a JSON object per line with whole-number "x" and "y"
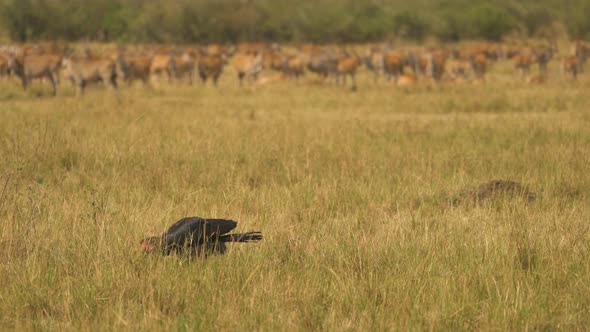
{"x": 185, "y": 66}
{"x": 28, "y": 67}
{"x": 523, "y": 61}
{"x": 162, "y": 64}
{"x": 570, "y": 65}
{"x": 434, "y": 64}
{"x": 251, "y": 48}
{"x": 210, "y": 66}
{"x": 581, "y": 49}
{"x": 347, "y": 66}
{"x": 295, "y": 66}
{"x": 479, "y": 65}
{"x": 542, "y": 55}
{"x": 374, "y": 61}
{"x": 393, "y": 65}
{"x": 85, "y": 71}
{"x": 135, "y": 68}
{"x": 322, "y": 61}
{"x": 3, "y": 66}
{"x": 275, "y": 60}
{"x": 247, "y": 65}
{"x": 459, "y": 68}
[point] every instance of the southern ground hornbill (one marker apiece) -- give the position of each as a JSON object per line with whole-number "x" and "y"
{"x": 197, "y": 236}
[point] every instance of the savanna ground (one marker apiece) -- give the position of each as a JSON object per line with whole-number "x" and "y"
{"x": 346, "y": 188}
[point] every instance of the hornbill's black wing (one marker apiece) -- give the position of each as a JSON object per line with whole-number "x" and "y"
{"x": 197, "y": 230}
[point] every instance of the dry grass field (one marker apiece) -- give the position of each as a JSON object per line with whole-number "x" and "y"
{"x": 349, "y": 190}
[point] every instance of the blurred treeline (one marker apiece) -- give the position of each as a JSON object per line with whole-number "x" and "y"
{"x": 186, "y": 21}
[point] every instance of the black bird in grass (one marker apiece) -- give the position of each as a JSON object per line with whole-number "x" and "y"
{"x": 197, "y": 236}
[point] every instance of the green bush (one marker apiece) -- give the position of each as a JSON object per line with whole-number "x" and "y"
{"x": 22, "y": 19}
{"x": 450, "y": 26}
{"x": 578, "y": 24}
{"x": 489, "y": 22}
{"x": 537, "y": 20}
{"x": 410, "y": 25}
{"x": 185, "y": 21}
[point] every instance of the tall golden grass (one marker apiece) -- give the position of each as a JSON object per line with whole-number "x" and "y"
{"x": 345, "y": 187}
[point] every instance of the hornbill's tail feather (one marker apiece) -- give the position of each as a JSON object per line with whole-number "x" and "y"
{"x": 242, "y": 237}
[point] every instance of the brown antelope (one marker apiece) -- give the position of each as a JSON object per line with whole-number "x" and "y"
{"x": 393, "y": 65}
{"x": 406, "y": 80}
{"x": 265, "y": 80}
{"x": 3, "y": 66}
{"x": 295, "y": 66}
{"x": 41, "y": 49}
{"x": 322, "y": 61}
{"x": 310, "y": 48}
{"x": 570, "y": 65}
{"x": 433, "y": 63}
{"x": 210, "y": 66}
{"x": 581, "y": 49}
{"x": 226, "y": 52}
{"x": 135, "y": 68}
{"x": 542, "y": 55}
{"x": 490, "y": 51}
{"x": 460, "y": 68}
{"x": 479, "y": 65}
{"x": 214, "y": 49}
{"x": 247, "y": 65}
{"x": 84, "y": 71}
{"x": 28, "y": 67}
{"x": 522, "y": 62}
{"x": 510, "y": 51}
{"x": 275, "y": 60}
{"x": 251, "y": 48}
{"x": 536, "y": 79}
{"x": 185, "y": 66}
{"x": 374, "y": 61}
{"x": 347, "y": 66}
{"x": 162, "y": 64}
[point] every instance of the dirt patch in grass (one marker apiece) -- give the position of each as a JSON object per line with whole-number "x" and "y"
{"x": 491, "y": 190}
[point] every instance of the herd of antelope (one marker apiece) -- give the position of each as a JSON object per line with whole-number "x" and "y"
{"x": 152, "y": 64}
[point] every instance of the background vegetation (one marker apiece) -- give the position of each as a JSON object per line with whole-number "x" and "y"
{"x": 186, "y": 21}
{"x": 345, "y": 187}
